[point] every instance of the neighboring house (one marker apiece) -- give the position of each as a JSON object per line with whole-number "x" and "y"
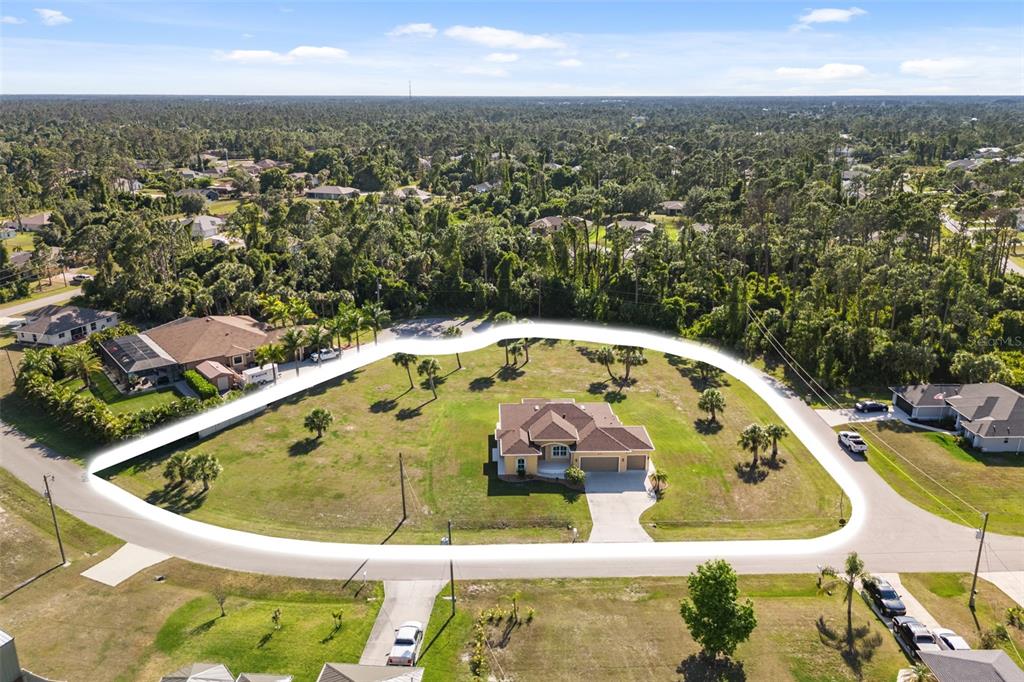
{"x": 200, "y": 672}
{"x": 56, "y": 325}
{"x": 203, "y": 226}
{"x": 544, "y": 437}
{"x": 988, "y": 152}
{"x": 127, "y": 186}
{"x": 403, "y": 193}
{"x": 974, "y": 665}
{"x": 989, "y": 415}
{"x": 332, "y": 193}
{"x": 219, "y": 375}
{"x": 224, "y": 188}
{"x": 30, "y": 223}
{"x": 263, "y": 677}
{"x": 7, "y": 232}
{"x": 162, "y": 353}
{"x": 188, "y": 173}
{"x": 484, "y": 187}
{"x": 672, "y": 207}
{"x": 307, "y": 179}
{"x": 354, "y": 672}
{"x": 553, "y": 223}
{"x": 965, "y": 164}
{"x": 639, "y": 228}
{"x": 208, "y": 193}
{"x": 19, "y": 259}
{"x": 10, "y": 667}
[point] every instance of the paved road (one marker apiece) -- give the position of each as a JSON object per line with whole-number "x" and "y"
{"x": 954, "y": 225}
{"x": 890, "y": 533}
{"x": 18, "y": 309}
{"x": 404, "y": 600}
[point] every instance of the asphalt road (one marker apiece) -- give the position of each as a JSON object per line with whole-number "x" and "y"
{"x": 18, "y": 309}
{"x": 891, "y": 534}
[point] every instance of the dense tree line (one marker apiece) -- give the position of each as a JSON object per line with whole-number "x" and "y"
{"x": 860, "y": 283}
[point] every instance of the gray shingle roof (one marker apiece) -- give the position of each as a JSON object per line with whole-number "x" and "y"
{"x": 54, "y": 319}
{"x": 978, "y": 665}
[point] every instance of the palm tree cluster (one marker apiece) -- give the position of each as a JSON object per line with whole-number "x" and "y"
{"x": 756, "y": 438}
{"x": 183, "y": 468}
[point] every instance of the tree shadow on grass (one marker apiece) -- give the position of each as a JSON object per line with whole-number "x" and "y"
{"x": 265, "y": 640}
{"x": 707, "y": 427}
{"x": 481, "y": 384}
{"x": 438, "y": 381}
{"x": 304, "y": 446}
{"x": 597, "y": 387}
{"x": 383, "y": 405}
{"x": 750, "y": 473}
{"x": 701, "y": 375}
{"x": 614, "y": 396}
{"x": 510, "y": 373}
{"x": 321, "y": 388}
{"x": 407, "y": 413}
{"x": 203, "y": 627}
{"x": 697, "y": 668}
{"x": 177, "y": 499}
{"x": 856, "y": 646}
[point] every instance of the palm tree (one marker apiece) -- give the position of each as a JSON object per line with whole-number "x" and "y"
{"x": 298, "y": 310}
{"x": 377, "y": 316}
{"x": 430, "y": 368}
{"x": 504, "y": 318}
{"x": 711, "y": 401}
{"x": 357, "y": 322}
{"x": 37, "y": 362}
{"x": 271, "y": 353}
{"x": 853, "y": 571}
{"x": 776, "y": 432}
{"x": 318, "y": 420}
{"x": 606, "y": 356}
{"x": 921, "y": 673}
{"x": 81, "y": 362}
{"x": 207, "y": 469}
{"x": 293, "y": 341}
{"x": 338, "y": 327}
{"x": 316, "y": 337}
{"x": 406, "y": 360}
{"x": 659, "y": 480}
{"x": 754, "y": 438}
{"x": 177, "y": 468}
{"x": 453, "y": 332}
{"x": 630, "y": 356}
{"x": 515, "y": 349}
{"x": 275, "y": 310}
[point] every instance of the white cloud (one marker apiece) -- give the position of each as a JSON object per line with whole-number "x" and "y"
{"x": 826, "y": 72}
{"x": 7, "y": 19}
{"x": 52, "y": 17}
{"x": 248, "y": 35}
{"x": 935, "y": 68}
{"x": 497, "y": 38}
{"x": 570, "y": 63}
{"x": 493, "y": 71}
{"x": 300, "y": 53}
{"x": 502, "y": 57}
{"x": 830, "y": 16}
{"x": 423, "y": 30}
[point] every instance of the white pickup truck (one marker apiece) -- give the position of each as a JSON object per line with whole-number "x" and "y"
{"x": 852, "y": 441}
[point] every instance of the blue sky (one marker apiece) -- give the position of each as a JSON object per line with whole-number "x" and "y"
{"x": 512, "y": 48}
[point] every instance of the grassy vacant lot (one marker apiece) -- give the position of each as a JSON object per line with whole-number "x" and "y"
{"x": 945, "y": 595}
{"x": 71, "y": 628}
{"x": 223, "y": 207}
{"x": 19, "y": 242}
{"x": 630, "y": 629}
{"x": 278, "y": 479}
{"x": 990, "y": 482}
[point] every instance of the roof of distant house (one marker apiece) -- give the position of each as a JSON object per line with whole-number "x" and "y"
{"x": 354, "y": 672}
{"x": 211, "y": 370}
{"x": 200, "y": 672}
{"x": 263, "y": 677}
{"x": 334, "y": 189}
{"x": 194, "y": 339}
{"x": 634, "y": 225}
{"x": 926, "y": 395}
{"x": 593, "y": 427}
{"x": 976, "y": 665}
{"x": 54, "y": 319}
{"x": 411, "y": 193}
{"x": 553, "y": 223}
{"x": 672, "y": 205}
{"x": 28, "y": 222}
{"x": 205, "y": 223}
{"x": 988, "y": 409}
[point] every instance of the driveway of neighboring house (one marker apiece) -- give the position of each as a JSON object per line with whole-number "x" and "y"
{"x": 851, "y": 416}
{"x": 1010, "y": 582}
{"x": 914, "y": 608}
{"x": 616, "y": 502}
{"x": 404, "y": 600}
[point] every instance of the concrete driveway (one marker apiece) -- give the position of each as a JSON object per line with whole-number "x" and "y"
{"x": 404, "y": 600}
{"x": 616, "y": 503}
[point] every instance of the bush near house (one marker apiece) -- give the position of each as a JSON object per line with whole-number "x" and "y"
{"x": 200, "y": 385}
{"x": 575, "y": 475}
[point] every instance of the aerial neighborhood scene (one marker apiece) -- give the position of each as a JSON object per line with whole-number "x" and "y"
{"x": 511, "y": 341}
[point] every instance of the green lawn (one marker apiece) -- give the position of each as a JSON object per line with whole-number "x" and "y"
{"x": 223, "y": 207}
{"x": 19, "y": 242}
{"x": 630, "y": 629}
{"x": 119, "y": 403}
{"x": 945, "y": 596}
{"x": 990, "y": 482}
{"x": 278, "y": 479}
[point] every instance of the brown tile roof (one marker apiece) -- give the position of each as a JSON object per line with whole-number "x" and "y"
{"x": 194, "y": 339}
{"x": 593, "y": 427}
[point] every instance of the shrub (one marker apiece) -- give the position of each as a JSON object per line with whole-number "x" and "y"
{"x": 200, "y": 385}
{"x": 575, "y": 475}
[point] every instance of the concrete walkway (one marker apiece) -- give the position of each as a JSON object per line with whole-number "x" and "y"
{"x": 404, "y": 600}
{"x": 616, "y": 503}
{"x": 914, "y": 607}
{"x": 123, "y": 564}
{"x": 1010, "y": 582}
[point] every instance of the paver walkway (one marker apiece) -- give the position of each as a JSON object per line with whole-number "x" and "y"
{"x": 404, "y": 600}
{"x": 616, "y": 503}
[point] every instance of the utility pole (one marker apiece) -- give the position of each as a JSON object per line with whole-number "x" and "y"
{"x": 451, "y": 567}
{"x": 977, "y": 563}
{"x": 53, "y": 512}
{"x": 401, "y": 480}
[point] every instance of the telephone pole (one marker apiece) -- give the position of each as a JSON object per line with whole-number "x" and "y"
{"x": 977, "y": 563}
{"x": 53, "y": 512}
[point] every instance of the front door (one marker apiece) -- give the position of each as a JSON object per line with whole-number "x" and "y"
{"x": 521, "y": 466}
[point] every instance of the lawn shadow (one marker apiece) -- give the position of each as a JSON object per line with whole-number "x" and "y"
{"x": 438, "y": 381}
{"x": 304, "y": 446}
{"x": 776, "y": 464}
{"x": 614, "y": 396}
{"x": 597, "y": 387}
{"x": 321, "y": 388}
{"x": 751, "y": 473}
{"x": 856, "y": 647}
{"x": 437, "y": 634}
{"x": 265, "y": 639}
{"x": 707, "y": 427}
{"x": 697, "y": 668}
{"x": 177, "y": 499}
{"x": 481, "y": 384}
{"x": 701, "y": 375}
{"x": 407, "y": 413}
{"x": 384, "y": 405}
{"x": 510, "y": 373}
{"x": 203, "y": 627}
{"x": 29, "y": 581}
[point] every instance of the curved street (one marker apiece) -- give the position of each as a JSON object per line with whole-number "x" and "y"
{"x": 891, "y": 534}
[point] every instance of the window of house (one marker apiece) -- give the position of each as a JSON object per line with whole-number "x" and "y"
{"x": 92, "y": 326}
{"x": 60, "y": 336}
{"x": 237, "y": 360}
{"x": 559, "y": 450}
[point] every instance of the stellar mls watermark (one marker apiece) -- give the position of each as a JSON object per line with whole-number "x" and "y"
{"x": 1001, "y": 342}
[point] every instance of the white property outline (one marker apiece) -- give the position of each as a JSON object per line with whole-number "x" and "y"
{"x": 437, "y": 554}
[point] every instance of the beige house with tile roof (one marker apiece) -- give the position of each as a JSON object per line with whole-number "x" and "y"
{"x": 544, "y": 437}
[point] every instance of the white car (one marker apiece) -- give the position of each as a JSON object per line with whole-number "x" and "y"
{"x": 408, "y": 638}
{"x": 81, "y": 278}
{"x": 949, "y": 640}
{"x": 324, "y": 354}
{"x": 852, "y": 441}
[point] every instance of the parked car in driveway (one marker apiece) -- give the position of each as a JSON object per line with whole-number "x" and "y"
{"x": 408, "y": 638}
{"x": 885, "y": 597}
{"x": 914, "y": 635}
{"x": 870, "y": 406}
{"x": 324, "y": 354}
{"x": 949, "y": 640}
{"x": 81, "y": 278}
{"x": 852, "y": 441}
